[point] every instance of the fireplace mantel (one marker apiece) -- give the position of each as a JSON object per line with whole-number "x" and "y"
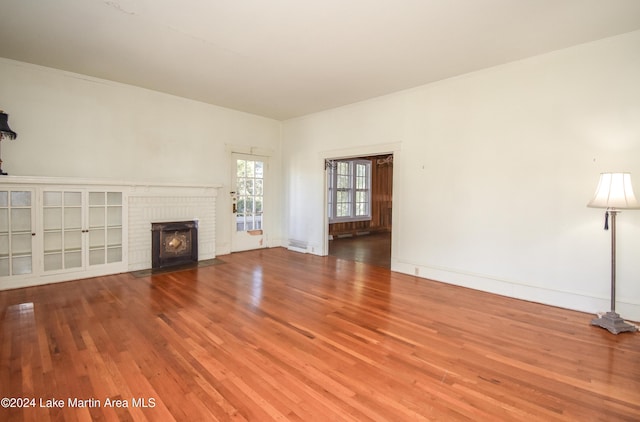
{"x": 79, "y": 181}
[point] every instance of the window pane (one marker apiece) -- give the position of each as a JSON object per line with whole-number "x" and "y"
{"x": 73, "y": 199}
{"x": 21, "y": 199}
{"x": 248, "y": 205}
{"x": 250, "y": 168}
{"x": 114, "y": 198}
{"x": 52, "y": 199}
{"x": 52, "y": 242}
{"x": 242, "y": 190}
{"x": 344, "y": 182}
{"x": 96, "y": 198}
{"x": 344, "y": 210}
{"x": 21, "y": 244}
{"x": 21, "y": 265}
{"x": 52, "y": 218}
{"x": 240, "y": 222}
{"x": 4, "y": 221}
{"x": 249, "y": 187}
{"x": 343, "y": 196}
{"x": 21, "y": 219}
{"x": 72, "y": 218}
{"x": 53, "y": 262}
{"x": 114, "y": 255}
{"x": 96, "y": 217}
{"x": 241, "y": 168}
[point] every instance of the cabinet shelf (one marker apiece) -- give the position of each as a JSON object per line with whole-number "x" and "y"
{"x": 15, "y": 232}
{"x": 60, "y": 251}
{"x": 19, "y": 255}
{"x": 102, "y": 247}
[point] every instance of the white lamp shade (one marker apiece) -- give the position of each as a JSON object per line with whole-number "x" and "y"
{"x": 614, "y": 191}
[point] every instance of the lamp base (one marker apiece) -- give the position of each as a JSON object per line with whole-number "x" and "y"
{"x": 611, "y": 321}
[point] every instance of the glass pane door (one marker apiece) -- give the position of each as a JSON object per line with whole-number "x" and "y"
{"x": 62, "y": 226}
{"x": 105, "y": 227}
{"x": 16, "y": 244}
{"x": 250, "y": 188}
{"x": 248, "y": 202}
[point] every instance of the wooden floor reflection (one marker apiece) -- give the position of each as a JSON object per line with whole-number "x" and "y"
{"x": 374, "y": 249}
{"x": 275, "y": 335}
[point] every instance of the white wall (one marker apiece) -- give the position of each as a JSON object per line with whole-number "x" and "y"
{"x": 492, "y": 174}
{"x": 71, "y": 125}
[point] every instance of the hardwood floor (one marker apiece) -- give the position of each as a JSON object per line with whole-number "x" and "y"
{"x": 374, "y": 249}
{"x": 277, "y": 335}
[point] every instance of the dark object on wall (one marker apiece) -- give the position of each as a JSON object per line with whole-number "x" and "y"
{"x": 5, "y": 132}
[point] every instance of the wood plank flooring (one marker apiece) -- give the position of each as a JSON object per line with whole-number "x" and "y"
{"x": 374, "y": 249}
{"x": 277, "y": 335}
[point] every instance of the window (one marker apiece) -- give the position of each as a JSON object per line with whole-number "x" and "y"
{"x": 349, "y": 193}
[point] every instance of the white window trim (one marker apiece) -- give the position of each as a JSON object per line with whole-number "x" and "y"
{"x": 332, "y": 192}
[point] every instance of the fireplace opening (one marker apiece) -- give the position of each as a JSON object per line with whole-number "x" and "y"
{"x": 174, "y": 243}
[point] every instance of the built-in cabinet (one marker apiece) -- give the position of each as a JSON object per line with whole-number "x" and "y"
{"x": 60, "y": 232}
{"x": 81, "y": 228}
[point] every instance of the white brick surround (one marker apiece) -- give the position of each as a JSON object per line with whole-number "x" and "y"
{"x": 160, "y": 204}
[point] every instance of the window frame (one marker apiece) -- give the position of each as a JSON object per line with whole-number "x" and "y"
{"x": 351, "y": 190}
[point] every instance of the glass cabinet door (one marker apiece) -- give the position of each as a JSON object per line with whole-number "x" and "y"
{"x": 62, "y": 227}
{"x": 16, "y": 244}
{"x": 81, "y": 228}
{"x": 105, "y": 227}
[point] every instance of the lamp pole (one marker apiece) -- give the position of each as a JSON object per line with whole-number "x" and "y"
{"x": 611, "y": 320}
{"x": 612, "y": 212}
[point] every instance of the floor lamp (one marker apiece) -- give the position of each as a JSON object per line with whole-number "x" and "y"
{"x": 614, "y": 193}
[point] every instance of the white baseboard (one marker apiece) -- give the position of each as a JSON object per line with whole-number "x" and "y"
{"x": 517, "y": 290}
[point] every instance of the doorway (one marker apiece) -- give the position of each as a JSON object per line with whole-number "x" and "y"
{"x": 360, "y": 230}
{"x": 248, "y": 176}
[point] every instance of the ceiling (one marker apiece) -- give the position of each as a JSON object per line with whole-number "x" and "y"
{"x": 287, "y": 58}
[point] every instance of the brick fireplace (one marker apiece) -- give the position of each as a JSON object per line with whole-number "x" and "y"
{"x": 168, "y": 203}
